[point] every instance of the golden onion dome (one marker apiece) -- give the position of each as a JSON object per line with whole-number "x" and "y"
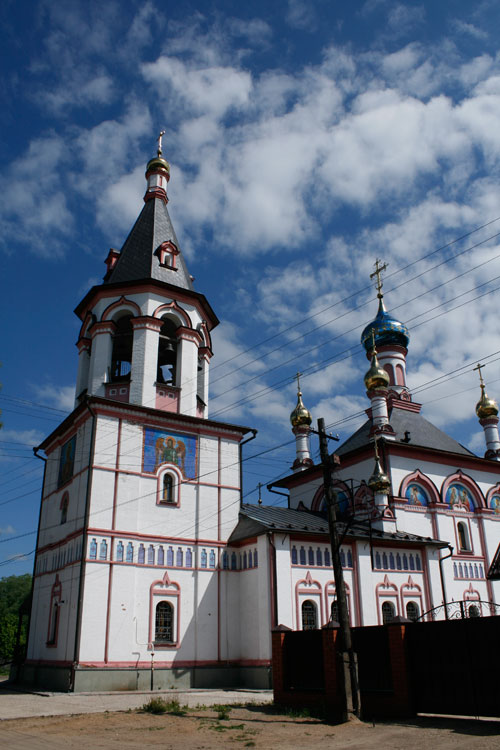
{"x": 300, "y": 415}
{"x": 156, "y": 163}
{"x": 486, "y": 407}
{"x": 376, "y": 377}
{"x": 379, "y": 481}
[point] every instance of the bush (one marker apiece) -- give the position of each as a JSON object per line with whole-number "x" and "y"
{"x": 161, "y": 706}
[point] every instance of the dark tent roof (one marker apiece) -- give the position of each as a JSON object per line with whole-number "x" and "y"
{"x": 137, "y": 259}
{"x": 421, "y": 433}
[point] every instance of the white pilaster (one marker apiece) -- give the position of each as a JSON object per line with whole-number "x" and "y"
{"x": 144, "y": 361}
{"x": 490, "y": 427}
{"x": 100, "y": 358}
{"x": 82, "y": 378}
{"x": 302, "y": 448}
{"x": 187, "y": 376}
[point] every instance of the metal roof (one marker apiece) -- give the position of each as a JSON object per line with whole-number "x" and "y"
{"x": 137, "y": 259}
{"x": 259, "y": 519}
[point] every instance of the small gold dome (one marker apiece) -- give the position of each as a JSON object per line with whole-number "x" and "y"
{"x": 300, "y": 415}
{"x": 157, "y": 162}
{"x": 376, "y": 377}
{"x": 486, "y": 407}
{"x": 379, "y": 481}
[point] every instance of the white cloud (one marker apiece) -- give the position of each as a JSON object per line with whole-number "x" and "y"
{"x": 62, "y": 397}
{"x": 7, "y": 529}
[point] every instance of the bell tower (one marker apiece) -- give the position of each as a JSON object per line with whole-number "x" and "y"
{"x": 145, "y": 335}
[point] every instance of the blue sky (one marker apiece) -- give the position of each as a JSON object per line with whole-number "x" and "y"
{"x": 305, "y": 140}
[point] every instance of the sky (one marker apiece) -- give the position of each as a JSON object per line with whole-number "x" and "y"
{"x": 306, "y": 139}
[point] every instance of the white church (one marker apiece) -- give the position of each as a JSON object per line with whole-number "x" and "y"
{"x": 149, "y": 570}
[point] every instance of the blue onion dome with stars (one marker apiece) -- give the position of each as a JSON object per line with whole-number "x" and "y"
{"x": 387, "y": 329}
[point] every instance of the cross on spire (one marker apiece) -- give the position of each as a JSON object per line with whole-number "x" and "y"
{"x": 298, "y": 375}
{"x": 479, "y": 367}
{"x": 374, "y": 348}
{"x": 378, "y": 272}
{"x": 159, "y": 139}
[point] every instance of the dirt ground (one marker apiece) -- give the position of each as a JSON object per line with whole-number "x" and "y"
{"x": 251, "y": 727}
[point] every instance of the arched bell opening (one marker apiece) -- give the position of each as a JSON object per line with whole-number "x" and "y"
{"x": 121, "y": 357}
{"x": 167, "y": 352}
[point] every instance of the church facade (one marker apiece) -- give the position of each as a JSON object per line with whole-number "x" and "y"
{"x": 150, "y": 573}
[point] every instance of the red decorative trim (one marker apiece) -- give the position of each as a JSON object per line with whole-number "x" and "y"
{"x": 320, "y": 494}
{"x": 83, "y": 345}
{"x": 131, "y": 535}
{"x": 418, "y": 478}
{"x": 169, "y": 469}
{"x": 156, "y": 192}
{"x": 386, "y": 591}
{"x": 173, "y": 306}
{"x": 189, "y": 334}
{"x": 87, "y": 324}
{"x": 411, "y": 591}
{"x": 395, "y": 402}
{"x": 309, "y": 592}
{"x": 121, "y": 303}
{"x": 331, "y": 591}
{"x": 167, "y": 589}
{"x": 147, "y": 322}
{"x": 61, "y": 542}
{"x": 55, "y": 603}
{"x": 468, "y": 482}
{"x": 104, "y": 327}
{"x": 186, "y": 664}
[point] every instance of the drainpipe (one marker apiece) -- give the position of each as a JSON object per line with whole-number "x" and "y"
{"x": 244, "y": 442}
{"x": 443, "y": 587}
{"x": 274, "y": 592}
{"x": 78, "y": 633}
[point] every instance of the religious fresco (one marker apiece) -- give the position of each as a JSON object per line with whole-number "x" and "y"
{"x": 67, "y": 461}
{"x": 416, "y": 495}
{"x": 161, "y": 447}
{"x": 459, "y": 497}
{"x": 495, "y": 504}
{"x": 342, "y": 502}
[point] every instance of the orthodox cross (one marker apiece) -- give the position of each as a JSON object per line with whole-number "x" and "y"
{"x": 374, "y": 350}
{"x": 260, "y": 496}
{"x": 377, "y": 458}
{"x": 162, "y": 133}
{"x": 298, "y": 381}
{"x": 479, "y": 368}
{"x": 377, "y": 272}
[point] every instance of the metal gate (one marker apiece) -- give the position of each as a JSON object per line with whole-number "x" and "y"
{"x": 454, "y": 666}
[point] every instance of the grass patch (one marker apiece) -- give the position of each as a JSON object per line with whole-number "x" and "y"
{"x": 222, "y": 711}
{"x": 161, "y": 706}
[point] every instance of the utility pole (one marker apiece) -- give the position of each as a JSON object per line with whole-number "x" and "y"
{"x": 348, "y": 663}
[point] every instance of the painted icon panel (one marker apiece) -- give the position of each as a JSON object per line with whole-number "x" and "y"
{"x": 161, "y": 447}
{"x": 459, "y": 497}
{"x": 416, "y": 495}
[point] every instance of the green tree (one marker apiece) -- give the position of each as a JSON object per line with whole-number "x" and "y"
{"x": 13, "y": 592}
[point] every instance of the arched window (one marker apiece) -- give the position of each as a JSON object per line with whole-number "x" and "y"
{"x": 203, "y": 558}
{"x": 400, "y": 378}
{"x": 245, "y": 560}
{"x": 310, "y": 556}
{"x": 327, "y": 558}
{"x": 211, "y": 559}
{"x": 151, "y": 555}
{"x": 225, "y": 563}
{"x": 309, "y": 615}
{"x": 412, "y": 611}
{"x": 161, "y": 556}
{"x": 121, "y": 357}
{"x": 233, "y": 561}
{"x": 463, "y": 537}
{"x": 473, "y": 611}
{"x": 167, "y": 353}
{"x": 141, "y": 554}
{"x": 64, "y": 507}
{"x": 130, "y": 552}
{"x": 170, "y": 557}
{"x": 388, "y": 612}
{"x": 168, "y": 489}
{"x": 93, "y": 550}
{"x": 319, "y": 557}
{"x": 302, "y": 554}
{"x": 255, "y": 558}
{"x": 119, "y": 552}
{"x": 294, "y": 556}
{"x": 103, "y": 550}
{"x": 189, "y": 558}
{"x": 54, "y": 621}
{"x": 179, "y": 558}
{"x": 164, "y": 623}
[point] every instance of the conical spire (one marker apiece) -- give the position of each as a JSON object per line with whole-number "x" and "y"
{"x": 151, "y": 251}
